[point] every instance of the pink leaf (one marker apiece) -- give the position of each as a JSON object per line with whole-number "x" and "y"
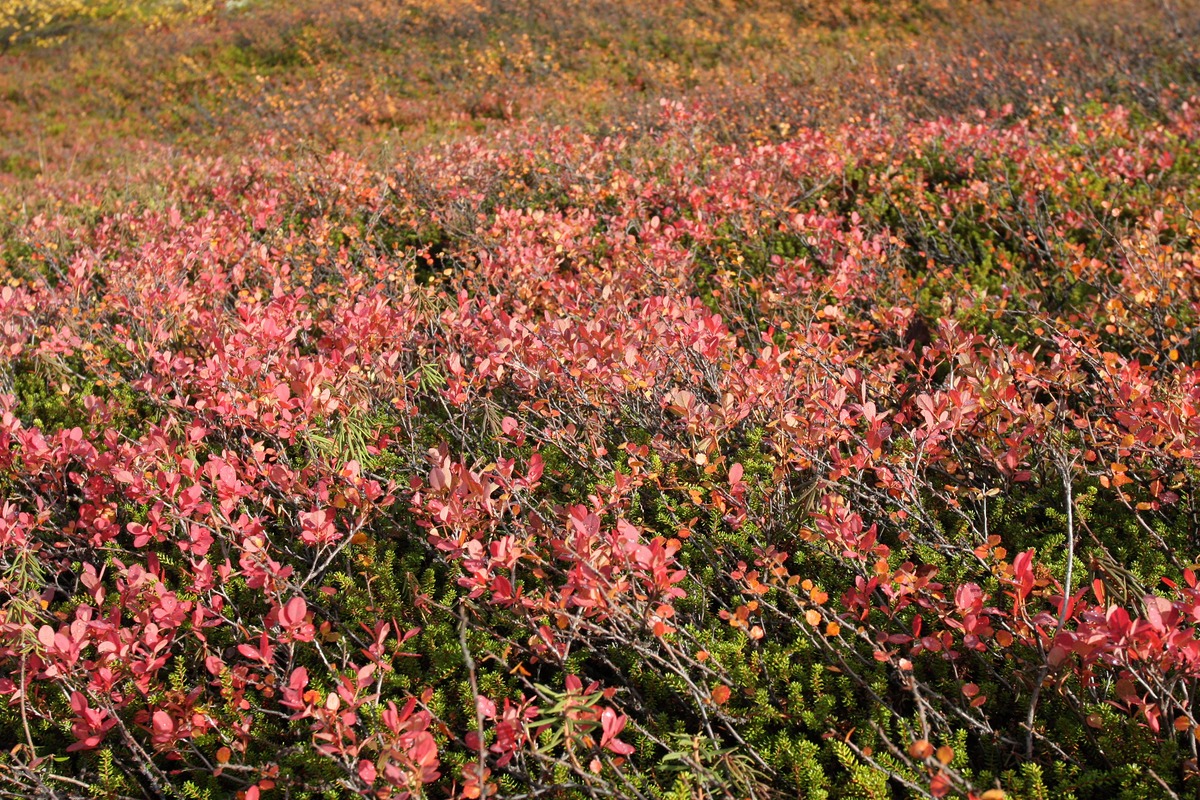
{"x": 45, "y": 636}
{"x": 611, "y": 724}
{"x": 162, "y": 722}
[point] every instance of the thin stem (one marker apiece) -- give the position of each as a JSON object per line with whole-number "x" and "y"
{"x": 469, "y": 661}
{"x": 1064, "y": 469}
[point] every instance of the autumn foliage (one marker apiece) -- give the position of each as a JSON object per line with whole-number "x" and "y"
{"x": 737, "y": 446}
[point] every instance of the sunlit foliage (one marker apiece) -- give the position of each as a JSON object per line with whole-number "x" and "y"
{"x": 717, "y": 448}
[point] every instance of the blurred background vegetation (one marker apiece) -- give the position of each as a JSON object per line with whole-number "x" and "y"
{"x": 82, "y": 80}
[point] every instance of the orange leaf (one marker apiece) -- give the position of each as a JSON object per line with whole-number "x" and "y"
{"x": 920, "y": 749}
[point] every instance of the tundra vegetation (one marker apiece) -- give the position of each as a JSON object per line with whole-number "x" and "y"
{"x": 599, "y": 399}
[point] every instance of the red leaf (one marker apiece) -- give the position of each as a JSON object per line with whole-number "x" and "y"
{"x": 293, "y": 613}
